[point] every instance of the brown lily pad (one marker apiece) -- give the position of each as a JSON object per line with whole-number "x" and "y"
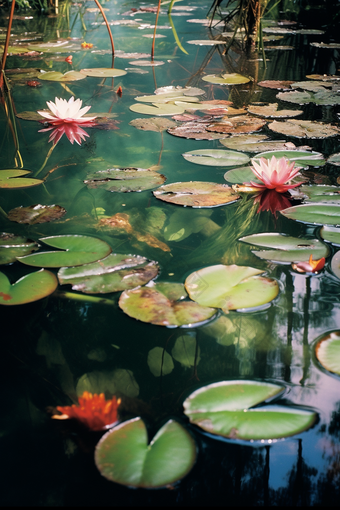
{"x": 271, "y": 110}
{"x": 276, "y": 84}
{"x": 36, "y": 214}
{"x": 304, "y": 129}
{"x": 196, "y": 130}
{"x": 242, "y": 124}
{"x": 157, "y": 124}
{"x": 256, "y": 143}
{"x": 196, "y": 194}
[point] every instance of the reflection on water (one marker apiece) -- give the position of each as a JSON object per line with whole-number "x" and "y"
{"x": 56, "y": 348}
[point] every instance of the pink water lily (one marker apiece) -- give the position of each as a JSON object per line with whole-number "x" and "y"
{"x": 275, "y": 173}
{"x": 72, "y": 130}
{"x": 63, "y": 111}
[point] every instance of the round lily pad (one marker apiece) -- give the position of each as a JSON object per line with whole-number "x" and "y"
{"x": 113, "y": 273}
{"x": 13, "y": 246}
{"x": 56, "y": 76}
{"x": 255, "y": 143}
{"x": 239, "y": 124}
{"x": 321, "y": 97}
{"x": 124, "y": 456}
{"x": 216, "y": 157}
{"x": 103, "y": 72}
{"x": 30, "y": 288}
{"x": 315, "y": 214}
{"x": 231, "y": 287}
{"x": 335, "y": 264}
{"x": 196, "y": 194}
{"x": 301, "y": 158}
{"x": 304, "y": 128}
{"x": 12, "y": 178}
{"x": 124, "y": 179}
{"x": 160, "y": 362}
{"x": 152, "y": 304}
{"x": 331, "y": 235}
{"x": 271, "y": 111}
{"x": 157, "y": 109}
{"x": 78, "y": 250}
{"x": 327, "y": 351}
{"x": 34, "y": 214}
{"x": 226, "y": 79}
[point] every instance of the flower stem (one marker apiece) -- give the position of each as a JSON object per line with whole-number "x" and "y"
{"x": 4, "y": 56}
{"x": 46, "y": 159}
{"x": 108, "y": 28}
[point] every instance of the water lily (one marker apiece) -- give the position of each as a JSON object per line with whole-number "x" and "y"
{"x": 63, "y": 111}
{"x": 312, "y": 266}
{"x": 93, "y": 411}
{"x": 275, "y": 173}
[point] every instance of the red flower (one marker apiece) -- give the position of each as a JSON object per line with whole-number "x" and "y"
{"x": 86, "y": 46}
{"x": 69, "y": 59}
{"x": 119, "y": 91}
{"x": 274, "y": 173}
{"x": 312, "y": 266}
{"x": 93, "y": 411}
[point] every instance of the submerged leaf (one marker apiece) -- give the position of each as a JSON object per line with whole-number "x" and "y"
{"x": 34, "y": 214}
{"x": 160, "y": 362}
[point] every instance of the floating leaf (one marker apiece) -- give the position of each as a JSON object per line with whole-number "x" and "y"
{"x": 226, "y": 79}
{"x": 314, "y": 86}
{"x": 216, "y": 157}
{"x": 206, "y": 42}
{"x": 12, "y": 178}
{"x": 271, "y": 110}
{"x": 322, "y": 97}
{"x": 276, "y": 84}
{"x": 301, "y": 158}
{"x": 331, "y": 46}
{"x": 223, "y": 409}
{"x": 241, "y": 175}
{"x": 36, "y": 214}
{"x": 56, "y": 76}
{"x": 124, "y": 179}
{"x": 304, "y": 128}
{"x": 186, "y": 91}
{"x": 124, "y": 456}
{"x": 146, "y": 63}
{"x": 13, "y": 246}
{"x": 153, "y": 124}
{"x": 103, "y": 72}
{"x": 239, "y": 124}
{"x": 327, "y": 351}
{"x": 60, "y": 46}
{"x": 334, "y": 159}
{"x": 315, "y": 214}
{"x": 151, "y": 304}
{"x": 111, "y": 274}
{"x": 78, "y": 250}
{"x": 331, "y": 235}
{"x": 157, "y": 109}
{"x": 321, "y": 194}
{"x": 14, "y": 50}
{"x": 256, "y": 143}
{"x": 196, "y": 194}
{"x": 231, "y": 287}
{"x": 160, "y": 362}
{"x": 186, "y": 351}
{"x": 196, "y": 131}
{"x": 29, "y": 288}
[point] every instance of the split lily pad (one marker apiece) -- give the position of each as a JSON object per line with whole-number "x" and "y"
{"x": 114, "y": 273}
{"x": 301, "y": 158}
{"x": 157, "y": 124}
{"x": 224, "y": 409}
{"x": 103, "y": 72}
{"x": 124, "y": 179}
{"x": 157, "y": 109}
{"x": 322, "y": 97}
{"x": 216, "y": 157}
{"x": 155, "y": 305}
{"x": 160, "y": 362}
{"x": 321, "y": 194}
{"x": 13, "y": 246}
{"x": 271, "y": 110}
{"x": 315, "y": 214}
{"x": 196, "y": 194}
{"x": 226, "y": 79}
{"x": 13, "y": 178}
{"x": 327, "y": 351}
{"x": 304, "y": 129}
{"x": 331, "y": 235}
{"x": 124, "y": 456}
{"x": 36, "y": 214}
{"x": 255, "y": 143}
{"x": 286, "y": 249}
{"x": 78, "y": 250}
{"x": 56, "y": 76}
{"x": 231, "y": 287}
{"x": 30, "y": 288}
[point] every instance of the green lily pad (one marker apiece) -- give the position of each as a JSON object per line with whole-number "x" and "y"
{"x": 327, "y": 351}
{"x": 168, "y": 97}
{"x": 103, "y": 72}
{"x": 160, "y": 362}
{"x": 334, "y": 159}
{"x": 157, "y": 109}
{"x": 152, "y": 304}
{"x": 13, "y": 246}
{"x": 315, "y": 214}
{"x": 241, "y": 175}
{"x": 30, "y": 288}
{"x": 331, "y": 235}
{"x": 14, "y": 50}
{"x": 56, "y": 76}
{"x": 186, "y": 351}
{"x": 321, "y": 194}
{"x": 335, "y": 264}
{"x": 231, "y": 287}
{"x": 78, "y": 250}
{"x": 196, "y": 194}
{"x": 114, "y": 273}
{"x": 254, "y": 143}
{"x": 223, "y": 409}
{"x": 34, "y": 214}
{"x": 54, "y": 47}
{"x": 286, "y": 249}
{"x": 216, "y": 157}
{"x": 12, "y": 178}
{"x": 301, "y": 158}
{"x": 124, "y": 179}
{"x": 322, "y": 97}
{"x": 226, "y": 79}
{"x": 124, "y": 456}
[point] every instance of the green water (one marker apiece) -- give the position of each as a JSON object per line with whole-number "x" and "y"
{"x": 56, "y": 347}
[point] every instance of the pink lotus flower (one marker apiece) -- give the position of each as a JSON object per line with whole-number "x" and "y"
{"x": 274, "y": 173}
{"x": 72, "y": 130}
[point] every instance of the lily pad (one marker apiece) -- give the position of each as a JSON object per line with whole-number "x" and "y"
{"x": 160, "y": 362}
{"x": 255, "y": 143}
{"x": 331, "y": 235}
{"x": 167, "y": 97}
{"x": 56, "y": 76}
{"x": 119, "y": 381}
{"x": 304, "y": 129}
{"x": 327, "y": 351}
{"x": 103, "y": 72}
{"x": 157, "y": 109}
{"x": 13, "y": 178}
{"x": 301, "y": 158}
{"x": 322, "y": 97}
{"x": 34, "y": 214}
{"x": 157, "y": 124}
{"x": 231, "y": 287}
{"x": 13, "y": 246}
{"x": 196, "y": 194}
{"x": 223, "y": 409}
{"x": 146, "y": 63}
{"x": 321, "y": 194}
{"x": 271, "y": 110}
{"x": 124, "y": 179}
{"x": 239, "y": 124}
{"x": 196, "y": 130}
{"x": 124, "y": 456}
{"x": 186, "y": 351}
{"x": 315, "y": 214}
{"x": 226, "y": 79}
{"x": 216, "y": 157}
{"x": 334, "y": 159}
{"x": 286, "y": 249}
{"x": 114, "y": 273}
{"x": 241, "y": 175}
{"x": 205, "y": 42}
{"x": 275, "y": 84}
{"x": 78, "y": 250}
{"x": 61, "y": 46}
{"x": 30, "y": 288}
{"x": 151, "y": 304}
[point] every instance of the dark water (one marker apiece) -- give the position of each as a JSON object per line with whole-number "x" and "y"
{"x": 54, "y": 348}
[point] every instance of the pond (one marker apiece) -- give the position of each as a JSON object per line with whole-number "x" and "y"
{"x": 237, "y": 372}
